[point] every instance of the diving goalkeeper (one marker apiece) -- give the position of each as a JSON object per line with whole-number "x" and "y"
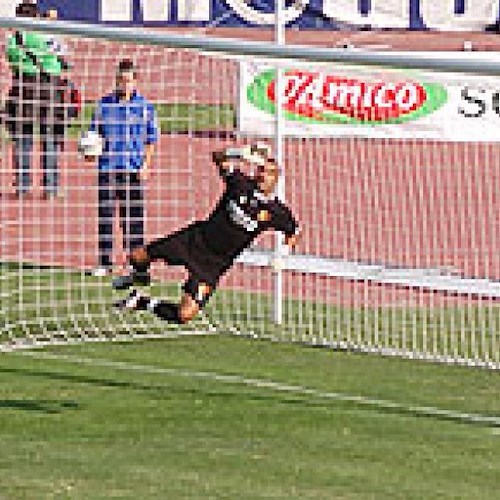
{"x": 208, "y": 248}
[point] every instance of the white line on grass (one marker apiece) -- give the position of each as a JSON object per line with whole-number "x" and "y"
{"x": 420, "y": 411}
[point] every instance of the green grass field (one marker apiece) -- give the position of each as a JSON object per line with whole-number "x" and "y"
{"x": 226, "y": 417}
{"x": 192, "y": 418}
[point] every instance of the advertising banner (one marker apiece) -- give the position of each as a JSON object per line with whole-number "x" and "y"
{"x": 450, "y": 15}
{"x": 326, "y": 101}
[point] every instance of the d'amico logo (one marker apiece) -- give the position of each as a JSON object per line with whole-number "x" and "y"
{"x": 327, "y": 98}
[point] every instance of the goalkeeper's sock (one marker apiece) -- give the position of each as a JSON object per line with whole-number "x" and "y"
{"x": 135, "y": 301}
{"x": 141, "y": 278}
{"x": 139, "y": 266}
{"x": 165, "y": 310}
{"x": 140, "y": 272}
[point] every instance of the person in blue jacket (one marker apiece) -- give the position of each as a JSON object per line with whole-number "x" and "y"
{"x": 126, "y": 122}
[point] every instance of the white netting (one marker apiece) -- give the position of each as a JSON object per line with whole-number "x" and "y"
{"x": 399, "y": 237}
{"x": 49, "y": 246}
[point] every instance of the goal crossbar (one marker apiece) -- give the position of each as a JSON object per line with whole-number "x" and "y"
{"x": 479, "y": 64}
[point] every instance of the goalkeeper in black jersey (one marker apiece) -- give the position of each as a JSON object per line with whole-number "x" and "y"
{"x": 207, "y": 249}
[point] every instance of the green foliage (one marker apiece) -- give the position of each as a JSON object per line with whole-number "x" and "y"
{"x": 172, "y": 118}
{"x": 177, "y": 118}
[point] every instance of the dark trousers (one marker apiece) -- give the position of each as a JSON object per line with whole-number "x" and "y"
{"x": 22, "y": 149}
{"x": 125, "y": 190}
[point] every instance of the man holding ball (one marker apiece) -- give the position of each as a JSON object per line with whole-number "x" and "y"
{"x": 122, "y": 137}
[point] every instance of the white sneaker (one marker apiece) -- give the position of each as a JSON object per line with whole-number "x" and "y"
{"x": 100, "y": 272}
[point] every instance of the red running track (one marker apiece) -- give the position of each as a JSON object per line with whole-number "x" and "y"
{"x": 440, "y": 211}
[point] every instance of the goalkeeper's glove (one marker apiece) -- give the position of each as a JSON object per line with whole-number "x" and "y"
{"x": 262, "y": 148}
{"x": 238, "y": 153}
{"x": 256, "y": 154}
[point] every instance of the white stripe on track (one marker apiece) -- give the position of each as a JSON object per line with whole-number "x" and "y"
{"x": 419, "y": 411}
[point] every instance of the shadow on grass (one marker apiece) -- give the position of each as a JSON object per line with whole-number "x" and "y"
{"x": 232, "y": 392}
{"x": 44, "y": 406}
{"x": 77, "y": 379}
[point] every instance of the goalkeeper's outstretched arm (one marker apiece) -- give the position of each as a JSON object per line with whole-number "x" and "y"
{"x": 291, "y": 241}
{"x": 225, "y": 158}
{"x": 220, "y": 159}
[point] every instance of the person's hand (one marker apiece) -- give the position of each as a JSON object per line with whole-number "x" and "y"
{"x": 144, "y": 173}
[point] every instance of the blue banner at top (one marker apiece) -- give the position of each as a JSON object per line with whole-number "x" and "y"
{"x": 447, "y": 15}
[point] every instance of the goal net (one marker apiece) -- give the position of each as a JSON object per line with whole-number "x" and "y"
{"x": 398, "y": 251}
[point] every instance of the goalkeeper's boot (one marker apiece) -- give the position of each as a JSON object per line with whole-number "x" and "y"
{"x": 135, "y": 301}
{"x": 134, "y": 278}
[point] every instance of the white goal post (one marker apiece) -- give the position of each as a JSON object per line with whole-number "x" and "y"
{"x": 399, "y": 234}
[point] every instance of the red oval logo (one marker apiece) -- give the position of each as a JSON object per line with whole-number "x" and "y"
{"x": 314, "y": 94}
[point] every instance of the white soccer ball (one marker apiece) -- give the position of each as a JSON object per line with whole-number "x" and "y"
{"x": 90, "y": 144}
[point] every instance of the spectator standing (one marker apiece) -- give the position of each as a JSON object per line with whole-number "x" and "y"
{"x": 36, "y": 97}
{"x": 126, "y": 122}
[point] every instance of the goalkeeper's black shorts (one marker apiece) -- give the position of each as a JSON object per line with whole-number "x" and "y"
{"x": 188, "y": 248}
